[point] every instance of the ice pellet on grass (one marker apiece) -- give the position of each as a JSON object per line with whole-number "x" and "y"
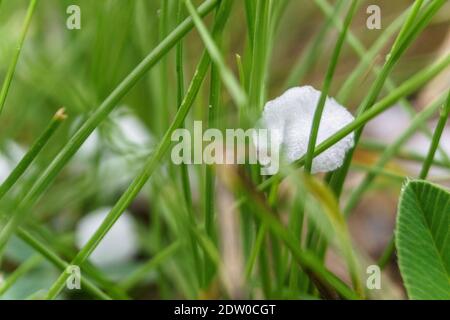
{"x": 289, "y": 118}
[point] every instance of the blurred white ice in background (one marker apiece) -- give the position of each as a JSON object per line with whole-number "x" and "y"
{"x": 90, "y": 148}
{"x": 120, "y": 244}
{"x": 389, "y": 125}
{"x": 132, "y": 132}
{"x": 420, "y": 144}
{"x": 124, "y": 133}
{"x": 289, "y": 118}
{"x": 5, "y": 168}
{"x": 117, "y": 150}
{"x": 10, "y": 155}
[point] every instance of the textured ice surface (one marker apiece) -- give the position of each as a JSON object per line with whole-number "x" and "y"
{"x": 290, "y": 116}
{"x": 118, "y": 246}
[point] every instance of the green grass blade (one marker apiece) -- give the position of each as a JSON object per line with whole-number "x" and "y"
{"x": 365, "y": 63}
{"x": 326, "y": 86}
{"x": 308, "y": 59}
{"x": 367, "y": 58}
{"x": 163, "y": 69}
{"x": 110, "y": 103}
{"x": 443, "y": 118}
{"x": 59, "y": 263}
{"x": 404, "y": 40}
{"x": 333, "y": 216}
{"x": 61, "y": 248}
{"x": 35, "y": 149}
{"x": 371, "y": 145}
{"x": 381, "y": 172}
{"x": 21, "y": 270}
{"x": 209, "y": 199}
{"x": 405, "y": 89}
{"x": 250, "y": 9}
{"x": 390, "y": 151}
{"x": 426, "y": 165}
{"x": 136, "y": 276}
{"x": 408, "y": 25}
{"x": 255, "y": 251}
{"x": 15, "y": 59}
{"x": 233, "y": 86}
{"x": 150, "y": 166}
{"x": 46, "y": 178}
{"x": 180, "y": 94}
{"x": 308, "y": 261}
{"x": 137, "y": 184}
{"x": 259, "y": 54}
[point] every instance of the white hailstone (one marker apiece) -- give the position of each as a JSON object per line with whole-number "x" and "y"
{"x": 289, "y": 118}
{"x": 119, "y": 245}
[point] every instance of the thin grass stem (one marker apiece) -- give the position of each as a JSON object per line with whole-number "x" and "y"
{"x": 20, "y": 271}
{"x": 403, "y": 154}
{"x": 390, "y": 152}
{"x": 310, "y": 56}
{"x": 325, "y": 88}
{"x": 139, "y": 274}
{"x": 443, "y": 118}
{"x": 34, "y": 151}
{"x": 59, "y": 263}
{"x": 230, "y": 82}
{"x": 12, "y": 66}
{"x": 403, "y": 41}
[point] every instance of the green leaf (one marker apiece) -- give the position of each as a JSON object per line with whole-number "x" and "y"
{"x": 422, "y": 240}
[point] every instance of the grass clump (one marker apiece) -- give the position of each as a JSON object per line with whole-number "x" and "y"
{"x": 207, "y": 231}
